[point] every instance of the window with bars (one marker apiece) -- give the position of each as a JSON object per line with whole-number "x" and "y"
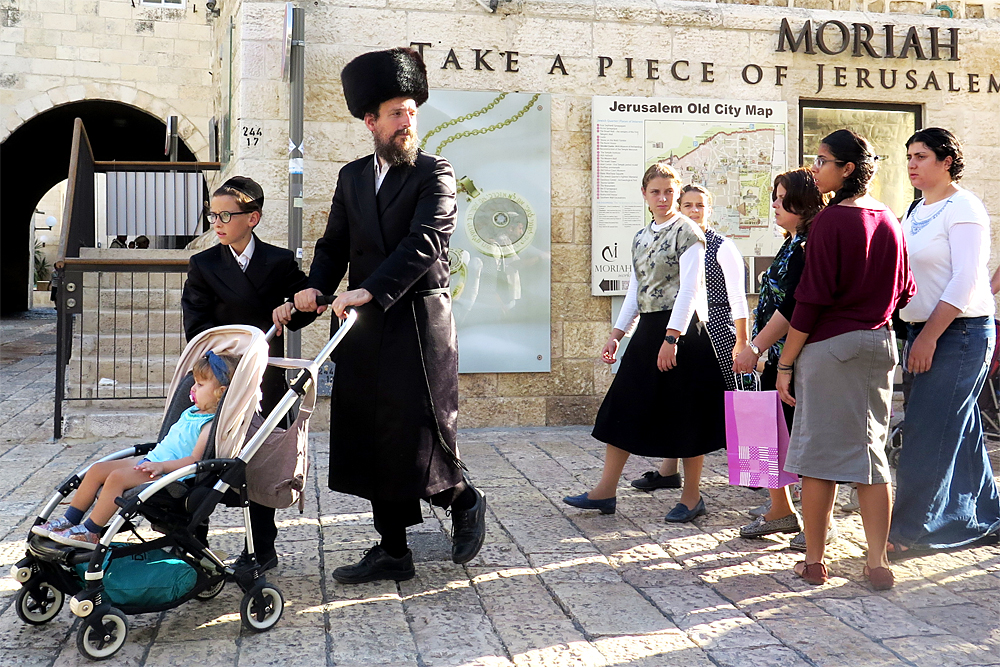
{"x": 171, "y": 4}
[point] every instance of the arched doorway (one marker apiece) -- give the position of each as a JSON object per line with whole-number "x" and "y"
{"x": 35, "y": 157}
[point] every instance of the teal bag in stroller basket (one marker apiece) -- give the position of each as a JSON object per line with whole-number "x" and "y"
{"x": 146, "y": 579}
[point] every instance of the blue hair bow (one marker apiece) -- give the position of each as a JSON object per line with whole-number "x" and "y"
{"x": 218, "y": 368}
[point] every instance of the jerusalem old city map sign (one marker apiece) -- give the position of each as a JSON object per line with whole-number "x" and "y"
{"x": 734, "y": 148}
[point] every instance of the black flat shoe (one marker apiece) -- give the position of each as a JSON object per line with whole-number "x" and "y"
{"x": 468, "y": 530}
{"x": 605, "y": 505}
{"x": 681, "y": 513}
{"x": 652, "y": 480}
{"x": 376, "y": 565}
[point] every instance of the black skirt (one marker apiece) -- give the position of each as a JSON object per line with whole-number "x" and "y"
{"x": 679, "y": 413}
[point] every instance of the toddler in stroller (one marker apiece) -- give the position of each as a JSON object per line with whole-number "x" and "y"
{"x": 110, "y": 579}
{"x": 185, "y": 444}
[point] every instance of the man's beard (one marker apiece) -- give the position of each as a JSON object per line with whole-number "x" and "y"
{"x": 395, "y": 154}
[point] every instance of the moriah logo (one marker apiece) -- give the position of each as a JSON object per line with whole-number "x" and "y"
{"x": 610, "y": 254}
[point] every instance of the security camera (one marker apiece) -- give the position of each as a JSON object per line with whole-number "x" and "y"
{"x": 212, "y": 7}
{"x": 508, "y": 6}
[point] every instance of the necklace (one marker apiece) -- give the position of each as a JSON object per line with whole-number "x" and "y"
{"x": 916, "y": 224}
{"x": 472, "y": 133}
{"x": 462, "y": 119}
{"x": 499, "y": 223}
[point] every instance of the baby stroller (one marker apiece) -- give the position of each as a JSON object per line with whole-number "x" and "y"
{"x": 118, "y": 578}
{"x": 988, "y": 402}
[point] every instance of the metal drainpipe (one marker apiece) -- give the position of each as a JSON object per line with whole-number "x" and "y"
{"x": 296, "y": 80}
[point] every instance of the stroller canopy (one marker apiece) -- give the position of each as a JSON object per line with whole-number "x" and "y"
{"x": 242, "y": 399}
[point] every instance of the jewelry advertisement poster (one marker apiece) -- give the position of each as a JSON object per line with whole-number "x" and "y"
{"x": 499, "y": 145}
{"x": 734, "y": 148}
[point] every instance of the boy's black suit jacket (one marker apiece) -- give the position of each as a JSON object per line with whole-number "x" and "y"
{"x": 218, "y": 292}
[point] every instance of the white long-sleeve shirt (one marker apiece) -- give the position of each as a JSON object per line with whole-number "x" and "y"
{"x": 731, "y": 261}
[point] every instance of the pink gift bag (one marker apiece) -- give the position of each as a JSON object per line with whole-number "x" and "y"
{"x": 757, "y": 440}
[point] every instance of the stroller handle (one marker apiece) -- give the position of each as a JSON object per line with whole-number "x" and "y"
{"x": 321, "y": 300}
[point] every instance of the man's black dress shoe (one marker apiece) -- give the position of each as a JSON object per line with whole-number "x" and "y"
{"x": 376, "y": 565}
{"x": 468, "y": 530}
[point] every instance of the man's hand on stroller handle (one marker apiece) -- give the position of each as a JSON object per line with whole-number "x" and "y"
{"x": 354, "y": 297}
{"x": 312, "y": 300}
{"x": 305, "y": 301}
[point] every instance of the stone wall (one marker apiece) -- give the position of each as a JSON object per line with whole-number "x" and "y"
{"x": 728, "y": 35}
{"x": 177, "y": 62}
{"x": 53, "y": 52}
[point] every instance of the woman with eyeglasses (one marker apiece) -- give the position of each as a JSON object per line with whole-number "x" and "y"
{"x": 945, "y": 492}
{"x": 241, "y": 281}
{"x": 842, "y": 349}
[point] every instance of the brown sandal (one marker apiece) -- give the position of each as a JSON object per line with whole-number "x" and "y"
{"x": 882, "y": 578}
{"x": 814, "y": 573}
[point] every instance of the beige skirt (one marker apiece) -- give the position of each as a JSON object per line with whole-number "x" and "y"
{"x": 843, "y": 395}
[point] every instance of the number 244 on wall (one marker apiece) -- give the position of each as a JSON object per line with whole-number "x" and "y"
{"x": 252, "y": 135}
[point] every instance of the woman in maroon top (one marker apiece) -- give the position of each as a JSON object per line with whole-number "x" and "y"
{"x": 842, "y": 348}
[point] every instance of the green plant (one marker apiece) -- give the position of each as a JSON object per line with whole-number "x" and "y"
{"x": 42, "y": 269}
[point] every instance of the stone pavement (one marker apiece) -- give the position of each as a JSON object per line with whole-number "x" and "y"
{"x": 553, "y": 585}
{"x": 27, "y": 376}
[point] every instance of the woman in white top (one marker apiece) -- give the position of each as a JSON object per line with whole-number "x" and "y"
{"x": 725, "y": 284}
{"x": 667, "y": 397}
{"x": 945, "y": 495}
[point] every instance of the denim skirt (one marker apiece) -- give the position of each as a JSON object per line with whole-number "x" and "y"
{"x": 843, "y": 394}
{"x": 945, "y": 492}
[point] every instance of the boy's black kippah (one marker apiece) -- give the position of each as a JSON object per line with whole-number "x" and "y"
{"x": 247, "y": 186}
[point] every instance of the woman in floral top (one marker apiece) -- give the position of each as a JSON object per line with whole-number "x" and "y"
{"x": 796, "y": 200}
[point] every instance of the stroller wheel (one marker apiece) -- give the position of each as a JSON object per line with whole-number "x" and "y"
{"x": 212, "y": 590}
{"x": 39, "y": 604}
{"x": 895, "y": 446}
{"x": 103, "y": 643}
{"x": 894, "y": 457}
{"x": 261, "y": 607}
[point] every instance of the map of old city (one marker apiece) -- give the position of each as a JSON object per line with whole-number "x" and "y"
{"x": 736, "y": 162}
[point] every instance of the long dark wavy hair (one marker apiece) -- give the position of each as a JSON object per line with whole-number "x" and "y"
{"x": 802, "y": 196}
{"x": 847, "y": 146}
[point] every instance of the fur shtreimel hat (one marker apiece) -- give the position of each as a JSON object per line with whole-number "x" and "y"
{"x": 373, "y": 78}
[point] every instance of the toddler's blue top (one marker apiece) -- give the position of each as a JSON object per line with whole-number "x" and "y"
{"x": 182, "y": 436}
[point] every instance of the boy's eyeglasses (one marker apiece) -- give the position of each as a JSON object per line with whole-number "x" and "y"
{"x": 223, "y": 216}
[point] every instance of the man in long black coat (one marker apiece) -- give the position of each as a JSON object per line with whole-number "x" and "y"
{"x": 241, "y": 281}
{"x": 395, "y": 395}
